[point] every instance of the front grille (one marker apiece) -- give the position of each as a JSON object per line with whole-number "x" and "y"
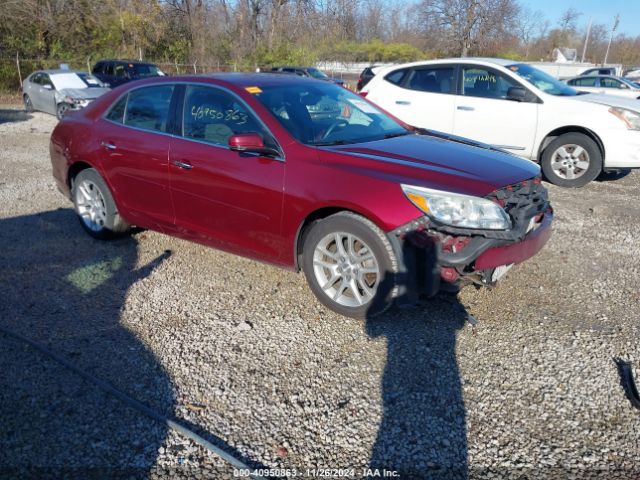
{"x": 522, "y": 200}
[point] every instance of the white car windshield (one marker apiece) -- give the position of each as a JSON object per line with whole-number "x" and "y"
{"x": 543, "y": 81}
{"x": 67, "y": 80}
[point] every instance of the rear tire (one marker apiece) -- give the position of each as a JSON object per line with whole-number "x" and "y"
{"x": 572, "y": 160}
{"x": 350, "y": 265}
{"x": 28, "y": 105}
{"x": 95, "y": 207}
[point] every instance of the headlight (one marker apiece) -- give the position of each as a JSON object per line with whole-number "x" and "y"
{"x": 463, "y": 211}
{"x": 630, "y": 118}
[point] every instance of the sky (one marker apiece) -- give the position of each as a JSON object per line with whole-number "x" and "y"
{"x": 602, "y": 11}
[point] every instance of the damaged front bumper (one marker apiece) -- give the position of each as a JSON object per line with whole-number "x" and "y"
{"x": 434, "y": 257}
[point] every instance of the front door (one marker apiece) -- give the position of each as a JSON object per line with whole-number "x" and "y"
{"x": 135, "y": 155}
{"x": 483, "y": 112}
{"x": 221, "y": 197}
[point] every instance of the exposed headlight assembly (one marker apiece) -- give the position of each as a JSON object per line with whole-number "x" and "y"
{"x": 630, "y": 118}
{"x": 456, "y": 210}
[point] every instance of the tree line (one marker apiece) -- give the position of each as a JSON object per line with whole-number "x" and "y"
{"x": 250, "y": 33}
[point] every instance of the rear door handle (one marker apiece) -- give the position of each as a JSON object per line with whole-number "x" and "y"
{"x": 108, "y": 146}
{"x": 466, "y": 109}
{"x": 183, "y": 165}
{"x": 402, "y": 102}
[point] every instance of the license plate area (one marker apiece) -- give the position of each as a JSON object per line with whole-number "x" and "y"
{"x": 500, "y": 271}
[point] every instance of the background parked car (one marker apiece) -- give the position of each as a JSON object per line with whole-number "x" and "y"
{"x": 605, "y": 84}
{"x": 56, "y": 91}
{"x": 117, "y": 72}
{"x": 310, "y": 72}
{"x": 602, "y": 71}
{"x": 366, "y": 75}
{"x": 515, "y": 107}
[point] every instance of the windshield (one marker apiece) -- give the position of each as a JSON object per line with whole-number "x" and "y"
{"x": 90, "y": 80}
{"x": 542, "y": 80}
{"x": 315, "y": 73}
{"x": 138, "y": 70}
{"x": 67, "y": 80}
{"x": 327, "y": 114}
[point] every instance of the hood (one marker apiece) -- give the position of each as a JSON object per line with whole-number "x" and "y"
{"x": 442, "y": 162}
{"x": 84, "y": 93}
{"x": 611, "y": 101}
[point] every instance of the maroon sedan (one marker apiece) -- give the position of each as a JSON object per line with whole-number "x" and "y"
{"x": 306, "y": 175}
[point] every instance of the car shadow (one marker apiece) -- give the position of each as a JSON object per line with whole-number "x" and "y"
{"x": 67, "y": 291}
{"x": 12, "y": 116}
{"x": 613, "y": 175}
{"x": 422, "y": 433}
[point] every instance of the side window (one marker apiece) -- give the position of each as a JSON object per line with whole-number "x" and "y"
{"x": 212, "y": 115}
{"x": 437, "y": 80}
{"x": 97, "y": 68}
{"x": 45, "y": 80}
{"x": 148, "y": 108}
{"x": 396, "y": 76}
{"x": 481, "y": 82}
{"x": 119, "y": 71}
{"x": 36, "y": 78}
{"x": 610, "y": 83}
{"x": 108, "y": 68}
{"x": 584, "y": 82}
{"x": 116, "y": 114}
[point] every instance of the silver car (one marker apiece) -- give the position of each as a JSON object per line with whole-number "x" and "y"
{"x": 57, "y": 91}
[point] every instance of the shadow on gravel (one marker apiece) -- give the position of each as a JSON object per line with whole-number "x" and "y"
{"x": 613, "y": 175}
{"x": 423, "y": 430}
{"x": 9, "y": 116}
{"x": 65, "y": 290}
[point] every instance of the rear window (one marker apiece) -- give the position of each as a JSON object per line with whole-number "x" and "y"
{"x": 431, "y": 79}
{"x": 396, "y": 77}
{"x": 140, "y": 70}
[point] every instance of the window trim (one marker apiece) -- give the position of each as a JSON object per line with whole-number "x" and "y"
{"x": 178, "y": 109}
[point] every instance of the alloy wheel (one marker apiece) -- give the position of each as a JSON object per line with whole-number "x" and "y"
{"x": 346, "y": 269}
{"x": 91, "y": 205}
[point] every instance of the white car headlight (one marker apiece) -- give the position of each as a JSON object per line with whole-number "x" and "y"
{"x": 630, "y": 118}
{"x": 463, "y": 211}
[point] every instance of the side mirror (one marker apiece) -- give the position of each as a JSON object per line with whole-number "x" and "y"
{"x": 250, "y": 143}
{"x": 517, "y": 94}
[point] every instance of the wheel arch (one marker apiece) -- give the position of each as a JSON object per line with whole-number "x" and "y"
{"x": 313, "y": 217}
{"x": 74, "y": 169}
{"x": 569, "y": 129}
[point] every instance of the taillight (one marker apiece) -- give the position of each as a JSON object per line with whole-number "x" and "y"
{"x": 363, "y": 94}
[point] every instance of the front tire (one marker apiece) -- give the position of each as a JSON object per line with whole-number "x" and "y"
{"x": 350, "y": 265}
{"x": 572, "y": 160}
{"x": 95, "y": 207}
{"x": 61, "y": 109}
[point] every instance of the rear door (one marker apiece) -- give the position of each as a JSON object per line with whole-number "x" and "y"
{"x": 585, "y": 84}
{"x": 483, "y": 113}
{"x": 135, "y": 154}
{"x": 422, "y": 96}
{"x": 221, "y": 197}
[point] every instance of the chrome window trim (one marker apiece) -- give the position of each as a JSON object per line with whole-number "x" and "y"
{"x": 281, "y": 158}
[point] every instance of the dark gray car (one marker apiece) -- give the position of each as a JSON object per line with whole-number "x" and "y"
{"x": 57, "y": 91}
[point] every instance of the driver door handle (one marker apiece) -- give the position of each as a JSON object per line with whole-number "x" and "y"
{"x": 108, "y": 146}
{"x": 183, "y": 165}
{"x": 402, "y": 102}
{"x": 466, "y": 109}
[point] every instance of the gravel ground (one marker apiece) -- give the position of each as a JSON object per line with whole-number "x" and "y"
{"x": 243, "y": 353}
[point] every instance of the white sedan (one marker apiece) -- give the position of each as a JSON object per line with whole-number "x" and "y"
{"x": 605, "y": 84}
{"x": 515, "y": 107}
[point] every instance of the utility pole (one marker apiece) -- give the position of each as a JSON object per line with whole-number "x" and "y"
{"x": 613, "y": 29}
{"x": 586, "y": 41}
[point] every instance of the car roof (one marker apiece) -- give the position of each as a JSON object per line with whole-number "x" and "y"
{"x": 120, "y": 60}
{"x": 56, "y": 71}
{"x": 601, "y": 75}
{"x": 238, "y": 79}
{"x": 486, "y": 61}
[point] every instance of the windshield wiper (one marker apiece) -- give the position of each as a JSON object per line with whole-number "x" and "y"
{"x": 399, "y": 134}
{"x": 328, "y": 144}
